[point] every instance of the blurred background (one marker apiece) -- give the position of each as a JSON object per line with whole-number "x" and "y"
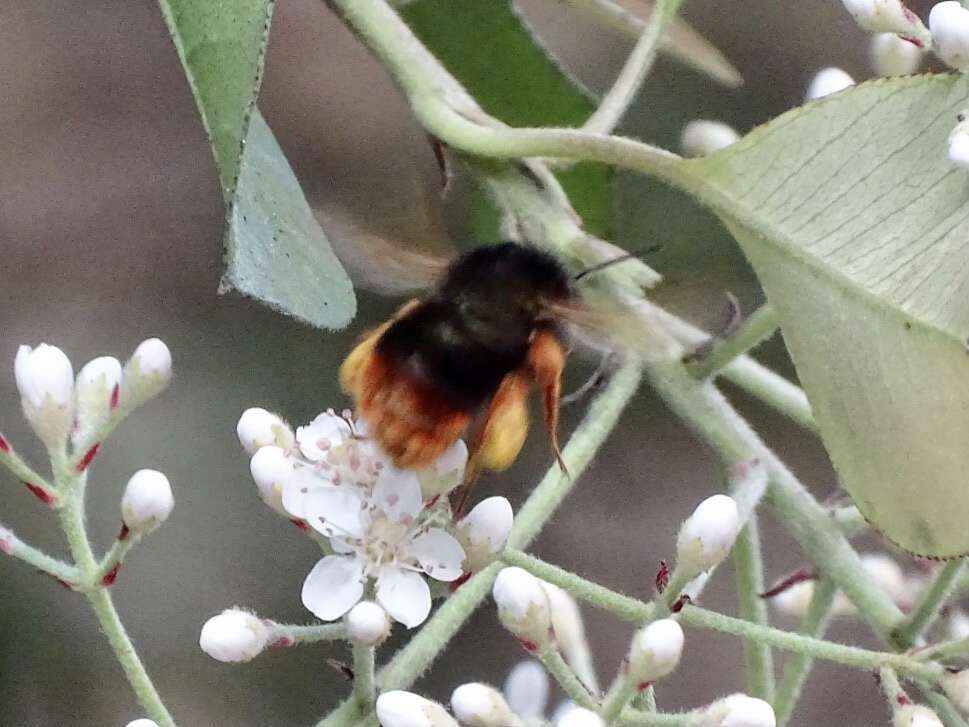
{"x": 111, "y": 231}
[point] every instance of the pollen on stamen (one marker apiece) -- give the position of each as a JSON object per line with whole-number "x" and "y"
{"x": 86, "y": 459}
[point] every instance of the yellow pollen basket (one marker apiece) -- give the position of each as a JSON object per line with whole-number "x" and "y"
{"x": 505, "y": 435}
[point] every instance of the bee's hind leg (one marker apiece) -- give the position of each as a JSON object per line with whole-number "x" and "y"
{"x": 546, "y": 360}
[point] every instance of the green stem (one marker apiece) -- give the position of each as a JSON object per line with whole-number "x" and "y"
{"x": 818, "y": 648}
{"x": 620, "y": 694}
{"x": 798, "y": 667}
{"x": 24, "y": 472}
{"x": 950, "y": 716}
{"x": 638, "y": 65}
{"x": 413, "y": 660}
{"x": 760, "y": 326}
{"x": 293, "y": 634}
{"x": 894, "y": 694}
{"x": 928, "y": 604}
{"x": 364, "y": 685}
{"x": 115, "y": 556}
{"x": 749, "y": 567}
{"x": 646, "y": 700}
{"x": 955, "y": 649}
{"x": 562, "y": 673}
{"x": 634, "y": 718}
{"x": 13, "y": 546}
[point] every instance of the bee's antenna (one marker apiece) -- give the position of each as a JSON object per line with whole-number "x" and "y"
{"x": 621, "y": 259}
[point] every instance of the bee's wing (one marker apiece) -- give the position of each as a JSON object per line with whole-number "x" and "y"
{"x": 609, "y": 326}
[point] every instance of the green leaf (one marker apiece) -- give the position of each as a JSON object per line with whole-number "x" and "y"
{"x": 858, "y": 227}
{"x": 275, "y": 249}
{"x": 488, "y": 48}
{"x": 222, "y": 46}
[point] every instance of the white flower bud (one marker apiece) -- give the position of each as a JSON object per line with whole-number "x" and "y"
{"x": 701, "y": 137}
{"x": 794, "y": 601}
{"x": 707, "y": 535}
{"x": 826, "y": 82}
{"x": 404, "y": 709}
{"x": 579, "y": 717}
{"x": 260, "y": 428}
{"x": 234, "y": 636}
{"x": 957, "y": 624}
{"x": 147, "y": 372}
{"x": 96, "y": 394}
{"x": 479, "y": 705}
{"x": 655, "y": 651}
{"x": 142, "y": 723}
{"x": 570, "y": 631}
{"x": 886, "y": 16}
{"x": 526, "y": 689}
{"x": 484, "y": 531}
{"x": 893, "y": 56}
{"x": 949, "y": 23}
{"x": 270, "y": 468}
{"x": 959, "y": 144}
{"x": 367, "y": 623}
{"x": 739, "y": 710}
{"x": 147, "y": 501}
{"x": 915, "y": 715}
{"x": 45, "y": 380}
{"x": 523, "y": 607}
{"x": 956, "y": 688}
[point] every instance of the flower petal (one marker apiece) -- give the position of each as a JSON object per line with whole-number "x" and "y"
{"x": 526, "y": 690}
{"x": 398, "y": 494}
{"x": 446, "y": 472}
{"x": 324, "y": 432}
{"x": 439, "y": 554}
{"x": 333, "y": 587}
{"x": 296, "y": 488}
{"x": 405, "y": 596}
{"x": 336, "y": 511}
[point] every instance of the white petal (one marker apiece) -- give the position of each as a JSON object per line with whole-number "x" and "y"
{"x": 439, "y": 554}
{"x": 526, "y": 689}
{"x": 398, "y": 494}
{"x": 333, "y": 587}
{"x": 336, "y": 511}
{"x": 323, "y": 433}
{"x": 405, "y": 595}
{"x": 297, "y": 487}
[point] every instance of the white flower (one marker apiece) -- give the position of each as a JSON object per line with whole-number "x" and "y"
{"x": 142, "y": 723}
{"x": 446, "y": 472}
{"x": 949, "y": 23}
{"x": 404, "y": 709}
{"x": 959, "y": 143}
{"x": 367, "y": 623}
{"x": 579, "y": 717}
{"x": 479, "y": 705}
{"x": 526, "y": 690}
{"x": 893, "y": 56}
{"x": 45, "y": 380}
{"x": 259, "y": 428}
{"x": 886, "y": 16}
{"x": 147, "y": 501}
{"x": 378, "y": 534}
{"x": 147, "y": 372}
{"x": 826, "y": 82}
{"x": 739, "y": 710}
{"x": 96, "y": 393}
{"x": 655, "y": 651}
{"x": 271, "y": 468}
{"x": 707, "y": 535}
{"x": 234, "y": 636}
{"x": 956, "y": 687}
{"x": 915, "y": 715}
{"x": 484, "y": 531}
{"x": 701, "y": 137}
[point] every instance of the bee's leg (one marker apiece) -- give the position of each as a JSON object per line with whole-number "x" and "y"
{"x": 545, "y": 360}
{"x": 500, "y": 435}
{"x": 594, "y": 382}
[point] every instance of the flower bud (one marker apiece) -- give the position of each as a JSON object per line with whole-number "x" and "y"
{"x": 142, "y": 723}
{"x": 147, "y": 372}
{"x": 147, "y": 501}
{"x": 655, "y": 651}
{"x": 826, "y": 82}
{"x": 893, "y": 56}
{"x": 915, "y": 715}
{"x": 523, "y": 607}
{"x": 739, "y": 710}
{"x": 957, "y": 624}
{"x": 367, "y": 623}
{"x": 959, "y": 144}
{"x": 45, "y": 380}
{"x": 445, "y": 473}
{"x": 887, "y": 16}
{"x": 270, "y": 468}
{"x": 949, "y": 23}
{"x": 956, "y": 688}
{"x": 526, "y": 689}
{"x": 707, "y": 535}
{"x": 702, "y": 137}
{"x": 404, "y": 709}
{"x": 579, "y": 717}
{"x": 260, "y": 428}
{"x": 484, "y": 531}
{"x": 479, "y": 705}
{"x": 569, "y": 632}
{"x": 96, "y": 395}
{"x": 234, "y": 636}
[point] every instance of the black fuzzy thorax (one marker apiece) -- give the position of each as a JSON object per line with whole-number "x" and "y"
{"x": 475, "y": 327}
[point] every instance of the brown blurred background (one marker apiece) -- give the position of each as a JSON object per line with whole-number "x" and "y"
{"x": 110, "y": 232}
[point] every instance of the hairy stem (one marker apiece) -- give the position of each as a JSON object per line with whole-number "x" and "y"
{"x": 562, "y": 673}
{"x": 293, "y": 634}
{"x": 364, "y": 686}
{"x": 13, "y": 546}
{"x": 760, "y": 326}
{"x": 749, "y": 567}
{"x": 928, "y": 604}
